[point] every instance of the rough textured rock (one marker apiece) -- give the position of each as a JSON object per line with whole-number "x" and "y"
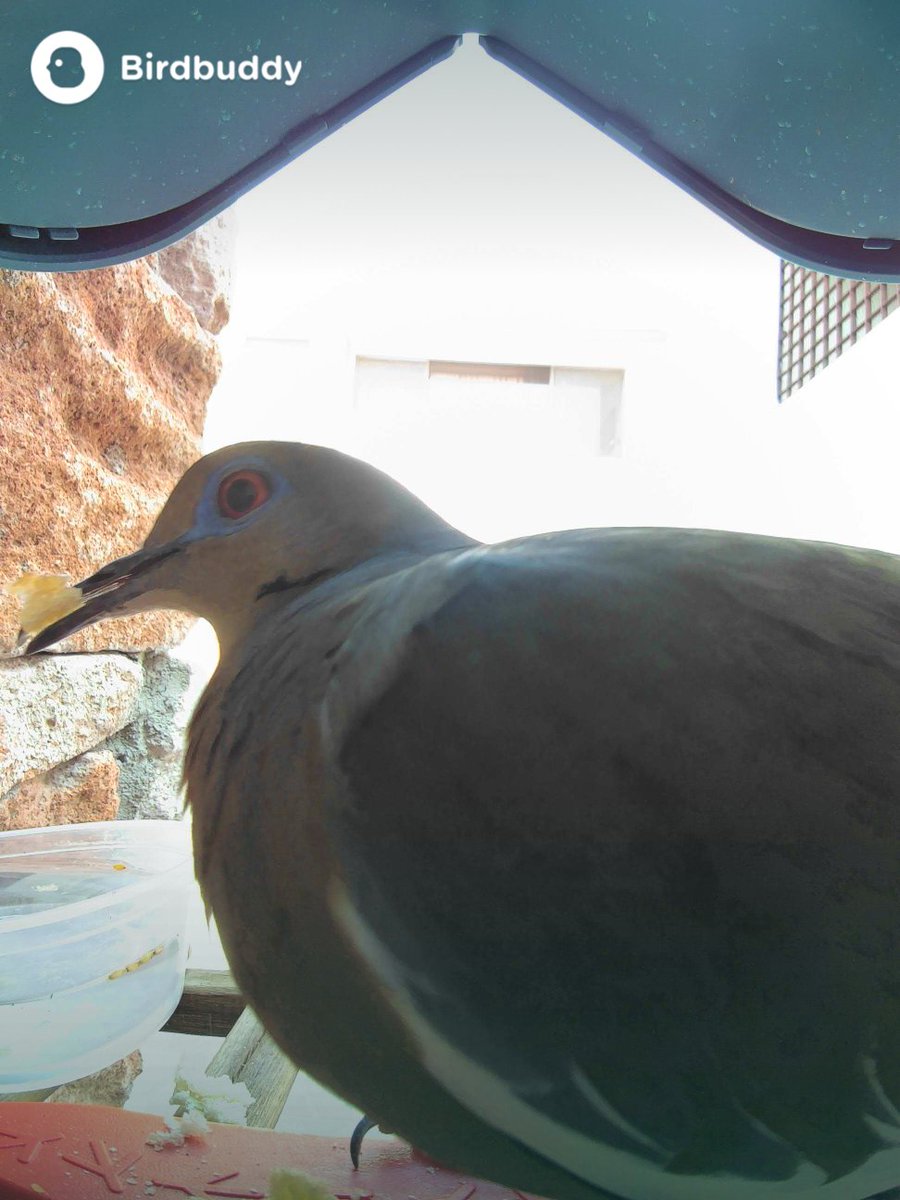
{"x": 55, "y": 707}
{"x": 150, "y": 749}
{"x": 83, "y": 790}
{"x": 105, "y": 379}
{"x": 198, "y": 268}
{"x": 111, "y": 1086}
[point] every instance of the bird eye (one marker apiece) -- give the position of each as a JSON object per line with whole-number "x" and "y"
{"x": 242, "y": 492}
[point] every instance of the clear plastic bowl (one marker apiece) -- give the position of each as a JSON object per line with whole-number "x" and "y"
{"x": 92, "y": 944}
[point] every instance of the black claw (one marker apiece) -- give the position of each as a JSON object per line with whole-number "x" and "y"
{"x": 356, "y": 1140}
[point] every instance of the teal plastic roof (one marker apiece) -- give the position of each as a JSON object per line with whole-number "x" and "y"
{"x": 782, "y": 115}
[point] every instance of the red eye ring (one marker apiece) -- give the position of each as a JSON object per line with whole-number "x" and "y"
{"x": 241, "y": 492}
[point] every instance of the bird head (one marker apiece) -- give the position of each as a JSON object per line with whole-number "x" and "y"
{"x": 251, "y": 521}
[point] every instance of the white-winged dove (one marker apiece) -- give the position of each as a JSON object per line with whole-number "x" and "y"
{"x": 574, "y": 860}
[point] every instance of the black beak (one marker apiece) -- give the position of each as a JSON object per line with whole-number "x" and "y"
{"x": 105, "y": 593}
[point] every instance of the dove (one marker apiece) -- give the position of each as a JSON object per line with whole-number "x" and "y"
{"x": 573, "y": 860}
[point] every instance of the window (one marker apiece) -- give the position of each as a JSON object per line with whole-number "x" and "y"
{"x": 523, "y": 408}
{"x": 821, "y": 315}
{"x": 499, "y": 372}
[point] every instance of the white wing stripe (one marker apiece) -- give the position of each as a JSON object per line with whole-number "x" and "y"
{"x": 489, "y": 1097}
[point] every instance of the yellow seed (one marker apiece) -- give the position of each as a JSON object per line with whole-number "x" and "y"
{"x": 119, "y": 867}
{"x": 44, "y": 599}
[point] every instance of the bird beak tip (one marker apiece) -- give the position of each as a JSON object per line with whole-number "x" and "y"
{"x": 105, "y": 594}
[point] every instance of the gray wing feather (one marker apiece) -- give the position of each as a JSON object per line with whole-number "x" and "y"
{"x": 626, "y": 816}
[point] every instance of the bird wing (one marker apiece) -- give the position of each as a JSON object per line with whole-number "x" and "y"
{"x": 619, "y": 839}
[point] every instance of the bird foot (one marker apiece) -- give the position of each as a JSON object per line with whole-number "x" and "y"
{"x": 362, "y": 1128}
{"x": 356, "y": 1139}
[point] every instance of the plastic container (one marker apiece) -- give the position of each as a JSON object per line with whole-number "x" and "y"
{"x": 92, "y": 944}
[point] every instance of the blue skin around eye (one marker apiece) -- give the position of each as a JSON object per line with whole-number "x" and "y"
{"x": 208, "y": 522}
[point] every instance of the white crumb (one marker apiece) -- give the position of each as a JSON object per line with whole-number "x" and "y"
{"x": 192, "y": 1125}
{"x": 217, "y": 1098}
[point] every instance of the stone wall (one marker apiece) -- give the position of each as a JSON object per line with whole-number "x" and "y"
{"x": 104, "y": 380}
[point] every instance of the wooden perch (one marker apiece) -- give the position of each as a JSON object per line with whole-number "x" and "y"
{"x": 250, "y": 1056}
{"x": 210, "y": 1005}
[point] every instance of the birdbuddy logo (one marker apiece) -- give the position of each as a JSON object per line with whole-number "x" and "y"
{"x": 195, "y": 67}
{"x": 67, "y": 67}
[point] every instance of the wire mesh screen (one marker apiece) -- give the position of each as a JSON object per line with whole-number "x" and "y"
{"x": 821, "y": 315}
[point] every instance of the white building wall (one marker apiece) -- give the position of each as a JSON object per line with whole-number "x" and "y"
{"x": 469, "y": 217}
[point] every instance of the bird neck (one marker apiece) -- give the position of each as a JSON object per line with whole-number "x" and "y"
{"x": 236, "y": 622}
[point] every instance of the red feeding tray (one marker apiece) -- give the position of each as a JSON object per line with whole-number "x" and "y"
{"x": 86, "y": 1152}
